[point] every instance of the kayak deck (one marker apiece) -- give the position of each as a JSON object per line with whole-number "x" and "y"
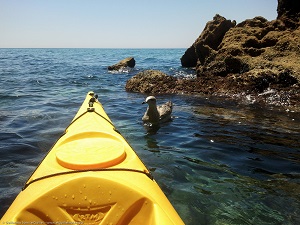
{"x": 91, "y": 176}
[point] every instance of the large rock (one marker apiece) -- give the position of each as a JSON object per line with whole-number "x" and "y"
{"x": 128, "y": 62}
{"x": 151, "y": 81}
{"x": 256, "y": 57}
{"x": 189, "y": 59}
{"x": 209, "y": 40}
{"x": 251, "y": 57}
{"x": 253, "y": 48}
{"x": 289, "y": 12}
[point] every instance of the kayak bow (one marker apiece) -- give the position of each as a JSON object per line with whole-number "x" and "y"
{"x": 91, "y": 176}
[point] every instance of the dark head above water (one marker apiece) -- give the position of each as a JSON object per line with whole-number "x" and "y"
{"x": 157, "y": 114}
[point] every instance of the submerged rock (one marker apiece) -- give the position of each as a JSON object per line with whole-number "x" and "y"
{"x": 128, "y": 62}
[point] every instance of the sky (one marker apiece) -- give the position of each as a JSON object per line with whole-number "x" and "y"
{"x": 117, "y": 23}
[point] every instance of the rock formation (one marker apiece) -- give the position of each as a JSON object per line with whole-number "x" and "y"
{"x": 208, "y": 41}
{"x": 289, "y": 12}
{"x": 250, "y": 47}
{"x": 151, "y": 81}
{"x": 249, "y": 58}
{"x": 128, "y": 62}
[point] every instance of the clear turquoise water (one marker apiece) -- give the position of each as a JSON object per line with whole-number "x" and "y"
{"x": 218, "y": 161}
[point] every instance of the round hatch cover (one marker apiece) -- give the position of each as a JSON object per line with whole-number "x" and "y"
{"x": 90, "y": 153}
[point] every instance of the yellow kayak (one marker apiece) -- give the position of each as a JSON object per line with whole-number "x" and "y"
{"x": 91, "y": 176}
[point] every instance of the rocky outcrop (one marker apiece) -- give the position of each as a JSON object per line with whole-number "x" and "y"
{"x": 189, "y": 59}
{"x": 253, "y": 48}
{"x": 128, "y": 62}
{"x": 256, "y": 57}
{"x": 251, "y": 57}
{"x": 289, "y": 12}
{"x": 207, "y": 42}
{"x": 151, "y": 81}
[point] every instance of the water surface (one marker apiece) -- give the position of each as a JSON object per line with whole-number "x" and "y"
{"x": 218, "y": 161}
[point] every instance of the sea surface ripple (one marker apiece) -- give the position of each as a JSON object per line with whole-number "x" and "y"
{"x": 218, "y": 161}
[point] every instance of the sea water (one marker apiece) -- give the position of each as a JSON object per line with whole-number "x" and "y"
{"x": 218, "y": 161}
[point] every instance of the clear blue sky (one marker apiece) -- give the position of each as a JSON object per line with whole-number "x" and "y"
{"x": 117, "y": 23}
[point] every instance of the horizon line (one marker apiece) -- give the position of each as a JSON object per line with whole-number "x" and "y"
{"x": 94, "y": 47}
